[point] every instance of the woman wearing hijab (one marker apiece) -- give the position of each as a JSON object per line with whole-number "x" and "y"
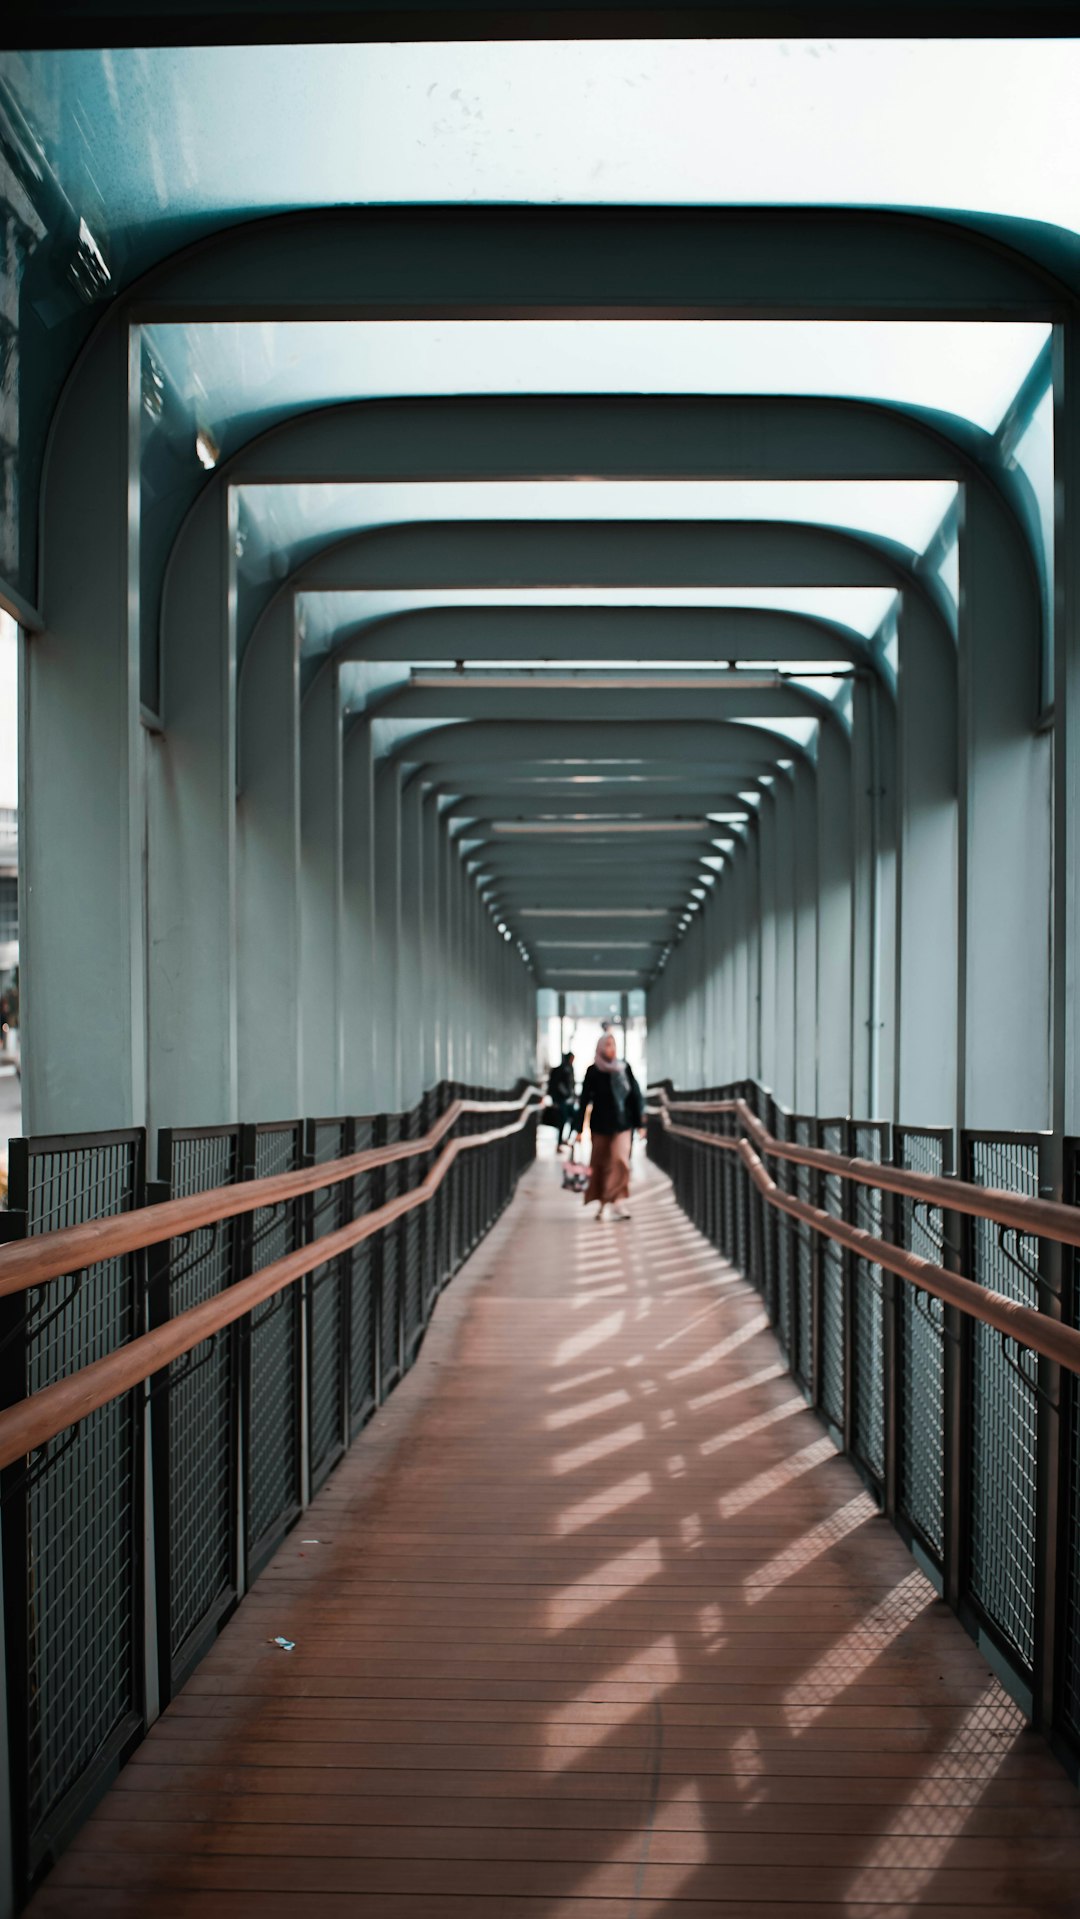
{"x": 614, "y": 1097}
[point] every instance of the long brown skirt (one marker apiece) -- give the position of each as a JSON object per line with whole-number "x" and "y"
{"x": 609, "y": 1168}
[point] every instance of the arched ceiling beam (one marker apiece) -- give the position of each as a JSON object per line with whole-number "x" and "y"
{"x": 673, "y": 262}
{"x": 580, "y": 632}
{"x": 537, "y": 703}
{"x": 578, "y": 745}
{"x": 705, "y": 437}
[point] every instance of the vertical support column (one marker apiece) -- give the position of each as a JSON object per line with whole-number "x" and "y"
{"x": 412, "y": 1011}
{"x": 81, "y": 821}
{"x": 804, "y": 1091}
{"x": 358, "y": 917}
{"x": 783, "y": 1085}
{"x": 320, "y": 892}
{"x": 431, "y": 951}
{"x": 268, "y": 870}
{"x": 191, "y": 831}
{"x": 387, "y": 936}
{"x": 834, "y": 940}
{"x": 1004, "y": 829}
{"x": 767, "y": 855}
{"x": 927, "y": 882}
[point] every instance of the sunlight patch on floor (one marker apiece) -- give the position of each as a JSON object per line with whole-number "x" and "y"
{"x": 803, "y": 1552}
{"x": 590, "y": 1337}
{"x": 589, "y": 1409}
{"x": 737, "y": 1435}
{"x": 599, "y": 1506}
{"x": 763, "y": 1485}
{"x": 859, "y": 1649}
{"x": 594, "y": 1450}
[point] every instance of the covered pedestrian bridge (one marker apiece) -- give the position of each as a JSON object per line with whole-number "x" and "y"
{"x": 445, "y": 586}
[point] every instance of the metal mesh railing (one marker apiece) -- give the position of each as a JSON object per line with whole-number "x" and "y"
{"x": 833, "y": 1309}
{"x": 196, "y": 1406}
{"x": 965, "y": 1416}
{"x": 1002, "y": 1477}
{"x": 803, "y": 1131}
{"x": 327, "y": 1333}
{"x": 391, "y": 1183}
{"x": 273, "y": 1427}
{"x": 73, "y": 1536}
{"x": 785, "y": 1263}
{"x": 920, "y": 1356}
{"x": 363, "y": 1302}
{"x": 868, "y": 1141}
{"x": 231, "y": 1454}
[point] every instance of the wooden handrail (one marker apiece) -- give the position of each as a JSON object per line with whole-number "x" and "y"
{"x": 1024, "y": 1324}
{"x": 1041, "y": 1218}
{"x": 34, "y": 1261}
{"x": 51, "y": 1410}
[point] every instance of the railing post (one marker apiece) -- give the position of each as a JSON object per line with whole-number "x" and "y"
{"x": 848, "y": 1283}
{"x": 816, "y": 1284}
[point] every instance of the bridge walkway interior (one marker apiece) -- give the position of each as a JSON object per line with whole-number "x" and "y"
{"x": 592, "y": 1622}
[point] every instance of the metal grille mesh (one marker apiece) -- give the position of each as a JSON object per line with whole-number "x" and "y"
{"x": 82, "y": 1502}
{"x": 832, "y": 1284}
{"x": 804, "y": 1332}
{"x": 412, "y": 1271}
{"x": 362, "y": 1327}
{"x": 274, "y": 1471}
{"x": 781, "y": 1171}
{"x": 390, "y": 1255}
{"x": 1070, "y": 1636}
{"x": 1003, "y": 1414}
{"x": 326, "y": 1363}
{"x": 921, "y": 1357}
{"x": 201, "y": 1397}
{"x": 868, "y": 1312}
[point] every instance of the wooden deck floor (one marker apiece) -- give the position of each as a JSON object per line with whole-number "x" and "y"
{"x": 593, "y": 1623}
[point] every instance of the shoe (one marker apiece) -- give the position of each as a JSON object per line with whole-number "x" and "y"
{"x": 623, "y": 1212}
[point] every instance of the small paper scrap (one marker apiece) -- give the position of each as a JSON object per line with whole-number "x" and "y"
{"x": 287, "y": 1645}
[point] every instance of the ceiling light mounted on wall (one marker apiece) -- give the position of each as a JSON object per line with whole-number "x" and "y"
{"x": 207, "y": 449}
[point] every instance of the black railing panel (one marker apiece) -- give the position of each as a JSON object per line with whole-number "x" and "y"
{"x": 274, "y": 1449}
{"x": 920, "y": 1350}
{"x": 803, "y": 1134}
{"x": 832, "y": 1135}
{"x": 1003, "y": 1424}
{"x": 363, "y": 1302}
{"x": 392, "y": 1183}
{"x": 411, "y": 1239}
{"x": 785, "y": 1258}
{"x": 73, "y": 1515}
{"x": 868, "y": 1140}
{"x": 195, "y": 1409}
{"x": 327, "y": 1330}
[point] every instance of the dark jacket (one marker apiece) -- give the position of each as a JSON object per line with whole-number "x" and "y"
{"x": 561, "y": 1082}
{"x": 610, "y": 1113}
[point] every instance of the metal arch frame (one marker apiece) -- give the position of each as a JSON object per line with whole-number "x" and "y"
{"x": 725, "y": 554}
{"x": 804, "y": 263}
{"x": 714, "y": 437}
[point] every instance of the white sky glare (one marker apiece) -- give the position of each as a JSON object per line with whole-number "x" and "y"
{"x": 980, "y": 125}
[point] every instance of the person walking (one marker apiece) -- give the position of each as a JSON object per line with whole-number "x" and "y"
{"x": 562, "y": 1092}
{"x": 612, "y": 1104}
